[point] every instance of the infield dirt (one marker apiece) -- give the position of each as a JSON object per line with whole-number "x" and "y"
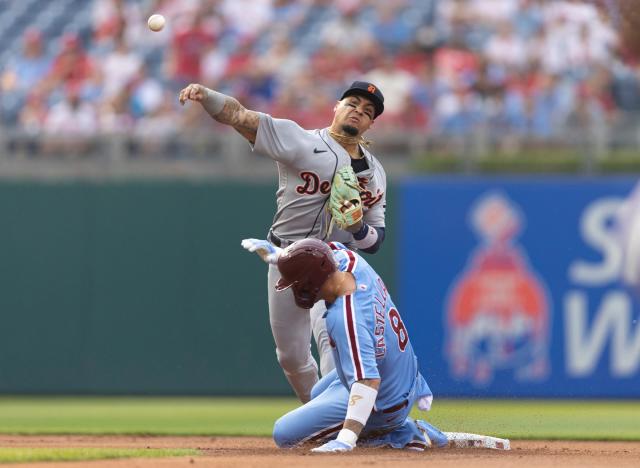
{"x": 262, "y": 453}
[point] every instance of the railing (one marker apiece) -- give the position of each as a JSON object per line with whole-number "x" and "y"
{"x": 215, "y": 154}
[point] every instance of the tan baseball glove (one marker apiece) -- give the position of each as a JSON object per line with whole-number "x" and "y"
{"x": 345, "y": 204}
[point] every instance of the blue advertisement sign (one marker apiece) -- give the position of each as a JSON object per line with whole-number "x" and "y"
{"x": 511, "y": 287}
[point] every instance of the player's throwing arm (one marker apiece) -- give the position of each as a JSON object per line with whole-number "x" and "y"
{"x": 224, "y": 109}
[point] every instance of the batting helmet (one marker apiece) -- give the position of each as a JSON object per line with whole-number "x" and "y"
{"x": 305, "y": 266}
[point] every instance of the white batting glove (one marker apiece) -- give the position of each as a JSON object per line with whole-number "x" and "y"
{"x": 424, "y": 403}
{"x": 267, "y": 251}
{"x": 333, "y": 446}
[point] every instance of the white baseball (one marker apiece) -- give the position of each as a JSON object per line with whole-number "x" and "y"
{"x": 156, "y": 22}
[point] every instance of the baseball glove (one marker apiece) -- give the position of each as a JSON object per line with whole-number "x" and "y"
{"x": 345, "y": 204}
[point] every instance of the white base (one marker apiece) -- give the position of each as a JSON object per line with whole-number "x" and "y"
{"x": 466, "y": 440}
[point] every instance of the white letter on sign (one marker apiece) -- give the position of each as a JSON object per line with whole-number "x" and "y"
{"x": 584, "y": 347}
{"x": 595, "y": 232}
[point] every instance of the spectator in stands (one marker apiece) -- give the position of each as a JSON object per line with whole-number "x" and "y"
{"x": 292, "y": 13}
{"x": 287, "y": 104}
{"x": 454, "y": 61}
{"x": 92, "y": 88}
{"x": 109, "y": 21}
{"x": 114, "y": 116}
{"x": 323, "y": 63}
{"x": 426, "y": 91}
{"x": 247, "y": 19}
{"x": 31, "y": 120}
{"x": 22, "y": 75}
{"x": 529, "y": 18}
{"x": 34, "y": 112}
{"x": 505, "y": 48}
{"x": 456, "y": 111}
{"x": 281, "y": 60}
{"x": 559, "y": 59}
{"x": 147, "y": 93}
{"x": 239, "y": 62}
{"x": 157, "y": 129}
{"x": 136, "y": 31}
{"x": 345, "y": 31}
{"x": 625, "y": 86}
{"x": 396, "y": 83}
{"x": 542, "y": 109}
{"x": 25, "y": 71}
{"x": 119, "y": 67}
{"x": 71, "y": 66}
{"x": 257, "y": 86}
{"x": 213, "y": 65}
{"x": 188, "y": 46}
{"x": 390, "y": 26}
{"x": 70, "y": 125}
{"x": 317, "y": 109}
{"x": 492, "y": 13}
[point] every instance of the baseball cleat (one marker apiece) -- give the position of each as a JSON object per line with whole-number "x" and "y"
{"x": 434, "y": 437}
{"x": 333, "y": 446}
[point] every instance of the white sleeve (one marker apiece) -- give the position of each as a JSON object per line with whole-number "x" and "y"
{"x": 279, "y": 139}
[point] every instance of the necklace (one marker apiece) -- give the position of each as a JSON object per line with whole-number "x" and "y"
{"x": 349, "y": 140}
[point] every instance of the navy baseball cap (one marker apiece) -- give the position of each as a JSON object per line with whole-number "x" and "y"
{"x": 368, "y": 90}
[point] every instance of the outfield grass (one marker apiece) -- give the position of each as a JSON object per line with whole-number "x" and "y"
{"x": 518, "y": 419}
{"x": 153, "y": 416}
{"x": 23, "y": 455}
{"x": 534, "y": 419}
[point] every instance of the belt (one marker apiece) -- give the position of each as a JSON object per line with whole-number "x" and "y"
{"x": 395, "y": 408}
{"x": 277, "y": 241}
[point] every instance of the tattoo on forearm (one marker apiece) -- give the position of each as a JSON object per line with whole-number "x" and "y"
{"x": 236, "y": 115}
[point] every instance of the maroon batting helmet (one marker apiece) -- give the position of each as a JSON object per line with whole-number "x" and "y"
{"x": 305, "y": 266}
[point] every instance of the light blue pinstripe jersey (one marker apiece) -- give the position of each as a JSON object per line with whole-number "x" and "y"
{"x": 368, "y": 337}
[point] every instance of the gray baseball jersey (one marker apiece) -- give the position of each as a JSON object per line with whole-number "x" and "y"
{"x": 307, "y": 160}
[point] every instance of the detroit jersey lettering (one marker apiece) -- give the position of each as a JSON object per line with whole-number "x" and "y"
{"x": 307, "y": 161}
{"x": 368, "y": 336}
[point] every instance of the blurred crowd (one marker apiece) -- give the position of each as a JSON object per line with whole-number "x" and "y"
{"x": 525, "y": 68}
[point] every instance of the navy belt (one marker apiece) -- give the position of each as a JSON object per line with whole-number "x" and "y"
{"x": 277, "y": 241}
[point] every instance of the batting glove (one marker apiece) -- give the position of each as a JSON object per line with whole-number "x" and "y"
{"x": 333, "y": 446}
{"x": 267, "y": 251}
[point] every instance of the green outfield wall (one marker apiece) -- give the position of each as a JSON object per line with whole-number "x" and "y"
{"x": 138, "y": 287}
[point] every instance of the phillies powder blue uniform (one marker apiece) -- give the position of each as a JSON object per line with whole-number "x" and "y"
{"x": 369, "y": 341}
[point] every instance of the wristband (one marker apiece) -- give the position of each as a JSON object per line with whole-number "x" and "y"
{"x": 348, "y": 437}
{"x": 213, "y": 102}
{"x": 366, "y": 237}
{"x": 359, "y": 235}
{"x": 361, "y": 401}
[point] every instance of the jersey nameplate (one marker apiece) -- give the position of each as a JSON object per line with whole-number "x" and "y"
{"x": 367, "y": 197}
{"x": 312, "y": 185}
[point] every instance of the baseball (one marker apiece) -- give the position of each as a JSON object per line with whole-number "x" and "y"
{"x": 156, "y": 22}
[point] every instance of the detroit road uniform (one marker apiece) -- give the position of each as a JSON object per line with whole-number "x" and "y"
{"x": 307, "y": 160}
{"x": 369, "y": 341}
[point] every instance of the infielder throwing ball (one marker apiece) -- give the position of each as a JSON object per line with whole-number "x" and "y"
{"x": 330, "y": 187}
{"x": 368, "y": 397}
